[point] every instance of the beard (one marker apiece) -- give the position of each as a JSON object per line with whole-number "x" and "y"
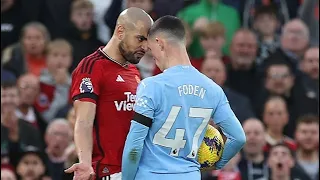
{"x": 128, "y": 55}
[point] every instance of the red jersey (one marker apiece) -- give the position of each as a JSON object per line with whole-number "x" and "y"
{"x": 112, "y": 88}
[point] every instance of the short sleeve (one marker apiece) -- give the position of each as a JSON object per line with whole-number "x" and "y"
{"x": 146, "y": 102}
{"x": 223, "y": 111}
{"x": 85, "y": 84}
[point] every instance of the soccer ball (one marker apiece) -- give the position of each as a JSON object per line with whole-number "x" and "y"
{"x": 211, "y": 148}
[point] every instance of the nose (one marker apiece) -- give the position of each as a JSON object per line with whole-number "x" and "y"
{"x": 144, "y": 46}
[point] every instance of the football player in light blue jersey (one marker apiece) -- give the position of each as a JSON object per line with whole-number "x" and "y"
{"x": 172, "y": 111}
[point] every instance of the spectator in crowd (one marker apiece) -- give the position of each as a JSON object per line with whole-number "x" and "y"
{"x": 280, "y": 81}
{"x": 146, "y": 5}
{"x": 14, "y": 15}
{"x": 294, "y": 42}
{"x": 215, "y": 70}
{"x": 199, "y": 14}
{"x": 7, "y": 174}
{"x": 310, "y": 64}
{"x": 309, "y": 76}
{"x": 265, "y": 25}
{"x": 230, "y": 171}
{"x": 28, "y": 86}
{"x": 282, "y": 165}
{"x": 253, "y": 165}
{"x": 276, "y": 117}
{"x": 58, "y": 137}
{"x": 82, "y": 34}
{"x": 10, "y": 23}
{"x": 7, "y": 75}
{"x": 100, "y": 9}
{"x": 16, "y": 134}
{"x": 307, "y": 138}
{"x": 309, "y": 13}
{"x": 286, "y": 10}
{"x": 55, "y": 80}
{"x": 29, "y": 54}
{"x": 31, "y": 164}
{"x": 212, "y": 38}
{"x": 55, "y": 16}
{"x": 241, "y": 70}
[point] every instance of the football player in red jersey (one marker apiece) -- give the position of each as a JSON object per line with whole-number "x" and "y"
{"x": 103, "y": 90}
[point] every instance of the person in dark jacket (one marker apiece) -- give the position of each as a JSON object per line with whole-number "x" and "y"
{"x": 280, "y": 81}
{"x": 82, "y": 34}
{"x": 16, "y": 134}
{"x": 215, "y": 70}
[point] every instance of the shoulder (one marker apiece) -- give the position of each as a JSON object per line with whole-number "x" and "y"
{"x": 228, "y": 8}
{"x": 149, "y": 82}
{"x": 90, "y": 63}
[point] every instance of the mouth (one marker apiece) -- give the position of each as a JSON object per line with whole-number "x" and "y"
{"x": 141, "y": 53}
{"x": 279, "y": 166}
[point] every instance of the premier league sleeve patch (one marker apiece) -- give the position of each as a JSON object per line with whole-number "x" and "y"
{"x": 86, "y": 86}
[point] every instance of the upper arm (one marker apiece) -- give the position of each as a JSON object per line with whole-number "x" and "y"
{"x": 223, "y": 111}
{"x": 146, "y": 101}
{"x": 86, "y": 81}
{"x": 225, "y": 118}
{"x": 85, "y": 111}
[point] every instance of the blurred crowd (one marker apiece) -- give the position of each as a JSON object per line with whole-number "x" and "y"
{"x": 263, "y": 53}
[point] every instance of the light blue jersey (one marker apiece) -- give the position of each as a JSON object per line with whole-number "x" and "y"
{"x": 181, "y": 101}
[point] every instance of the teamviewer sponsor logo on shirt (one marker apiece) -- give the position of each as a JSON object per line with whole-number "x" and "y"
{"x": 126, "y": 105}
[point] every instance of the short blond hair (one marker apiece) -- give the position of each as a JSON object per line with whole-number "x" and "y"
{"x": 81, "y": 4}
{"x": 213, "y": 29}
{"x": 58, "y": 44}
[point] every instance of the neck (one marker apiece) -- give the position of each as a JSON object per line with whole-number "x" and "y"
{"x": 278, "y": 136}
{"x": 113, "y": 51}
{"x": 255, "y": 158}
{"x": 53, "y": 156}
{"x": 241, "y": 67}
{"x": 178, "y": 56}
{"x": 24, "y": 109}
{"x": 284, "y": 177}
{"x": 37, "y": 56}
{"x": 268, "y": 38}
{"x": 305, "y": 155}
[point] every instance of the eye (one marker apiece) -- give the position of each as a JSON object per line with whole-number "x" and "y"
{"x": 140, "y": 39}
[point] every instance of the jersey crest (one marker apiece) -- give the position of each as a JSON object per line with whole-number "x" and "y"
{"x": 86, "y": 86}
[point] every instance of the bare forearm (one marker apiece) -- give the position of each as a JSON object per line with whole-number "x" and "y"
{"x": 83, "y": 140}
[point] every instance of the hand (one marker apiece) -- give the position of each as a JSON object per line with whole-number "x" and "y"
{"x": 81, "y": 171}
{"x": 61, "y": 76}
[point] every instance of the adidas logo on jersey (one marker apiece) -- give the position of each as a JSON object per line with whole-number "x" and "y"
{"x": 119, "y": 79}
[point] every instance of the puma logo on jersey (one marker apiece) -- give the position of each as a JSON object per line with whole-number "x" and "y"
{"x": 119, "y": 79}
{"x": 126, "y": 105}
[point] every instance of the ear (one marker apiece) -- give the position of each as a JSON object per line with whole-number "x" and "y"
{"x": 160, "y": 43}
{"x": 120, "y": 32}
